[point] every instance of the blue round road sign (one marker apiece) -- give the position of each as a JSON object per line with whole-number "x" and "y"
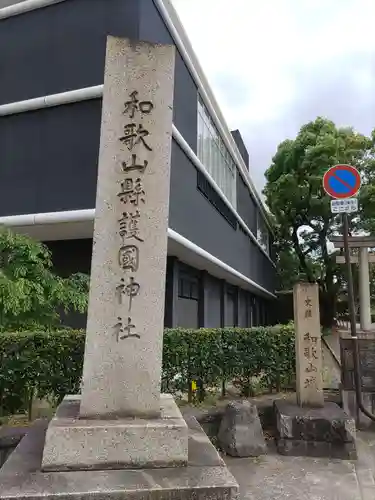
{"x": 342, "y": 181}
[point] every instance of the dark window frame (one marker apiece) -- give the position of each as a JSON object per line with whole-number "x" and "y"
{"x": 188, "y": 286}
{"x": 205, "y": 188}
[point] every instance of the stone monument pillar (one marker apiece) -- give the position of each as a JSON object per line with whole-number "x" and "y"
{"x": 309, "y": 426}
{"x": 121, "y": 401}
{"x": 122, "y": 366}
{"x": 121, "y": 438}
{"x": 308, "y": 345}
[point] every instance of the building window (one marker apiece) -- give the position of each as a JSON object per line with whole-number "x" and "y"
{"x": 188, "y": 287}
{"x": 263, "y": 236}
{"x": 213, "y": 197}
{"x": 214, "y": 155}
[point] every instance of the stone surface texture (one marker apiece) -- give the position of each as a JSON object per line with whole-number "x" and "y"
{"x": 326, "y": 431}
{"x": 122, "y": 372}
{"x": 308, "y": 345}
{"x": 276, "y": 477}
{"x": 303, "y": 448}
{"x": 269, "y": 477}
{"x": 205, "y": 477}
{"x": 240, "y": 433}
{"x": 78, "y": 444}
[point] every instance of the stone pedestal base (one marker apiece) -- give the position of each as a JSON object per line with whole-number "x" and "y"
{"x": 316, "y": 432}
{"x": 79, "y": 444}
{"x": 205, "y": 475}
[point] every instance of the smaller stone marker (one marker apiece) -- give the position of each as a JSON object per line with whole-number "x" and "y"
{"x": 308, "y": 345}
{"x": 311, "y": 427}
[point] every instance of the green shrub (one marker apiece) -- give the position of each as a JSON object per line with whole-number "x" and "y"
{"x": 42, "y": 364}
{"x": 216, "y": 356}
{"x": 49, "y": 364}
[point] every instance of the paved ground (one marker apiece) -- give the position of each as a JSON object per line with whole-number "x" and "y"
{"x": 274, "y": 477}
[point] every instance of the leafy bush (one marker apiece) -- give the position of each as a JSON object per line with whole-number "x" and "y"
{"x": 31, "y": 294}
{"x": 43, "y": 364}
{"x": 49, "y": 364}
{"x": 215, "y": 356}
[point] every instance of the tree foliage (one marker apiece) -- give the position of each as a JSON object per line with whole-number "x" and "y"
{"x": 301, "y": 209}
{"x": 31, "y": 294}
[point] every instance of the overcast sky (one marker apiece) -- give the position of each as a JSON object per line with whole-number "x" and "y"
{"x": 277, "y": 64}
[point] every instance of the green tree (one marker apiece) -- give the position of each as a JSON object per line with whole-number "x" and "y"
{"x": 366, "y": 221}
{"x": 31, "y": 294}
{"x": 301, "y": 209}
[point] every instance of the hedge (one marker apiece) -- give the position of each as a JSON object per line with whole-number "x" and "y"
{"x": 49, "y": 364}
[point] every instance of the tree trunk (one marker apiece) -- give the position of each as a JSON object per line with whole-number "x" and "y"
{"x": 327, "y": 301}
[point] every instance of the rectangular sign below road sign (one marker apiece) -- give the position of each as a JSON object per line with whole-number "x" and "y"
{"x": 347, "y": 205}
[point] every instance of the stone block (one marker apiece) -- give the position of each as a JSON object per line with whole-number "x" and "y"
{"x": 205, "y": 476}
{"x": 329, "y": 423}
{"x": 316, "y": 432}
{"x": 301, "y": 448}
{"x": 73, "y": 443}
{"x": 240, "y": 433}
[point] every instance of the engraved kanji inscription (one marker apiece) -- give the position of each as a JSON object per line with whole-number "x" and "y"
{"x": 132, "y": 192}
{"x": 129, "y": 225}
{"x": 306, "y": 337}
{"x": 311, "y": 368}
{"x": 122, "y": 331}
{"x": 310, "y": 382}
{"x": 134, "y": 134}
{"x": 133, "y": 105}
{"x": 128, "y": 257}
{"x": 127, "y": 166}
{"x": 131, "y": 290}
{"x": 306, "y": 352}
{"x": 308, "y": 313}
{"x": 308, "y": 302}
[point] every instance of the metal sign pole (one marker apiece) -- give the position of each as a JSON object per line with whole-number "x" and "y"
{"x": 351, "y": 302}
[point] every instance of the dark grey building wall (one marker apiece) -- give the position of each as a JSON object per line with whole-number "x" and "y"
{"x": 74, "y": 256}
{"x": 241, "y": 146}
{"x": 213, "y": 297}
{"x": 243, "y": 306}
{"x": 246, "y": 206}
{"x": 231, "y": 306}
{"x": 71, "y": 256}
{"x": 193, "y": 216}
{"x": 60, "y": 47}
{"x": 187, "y": 313}
{"x": 49, "y": 159}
